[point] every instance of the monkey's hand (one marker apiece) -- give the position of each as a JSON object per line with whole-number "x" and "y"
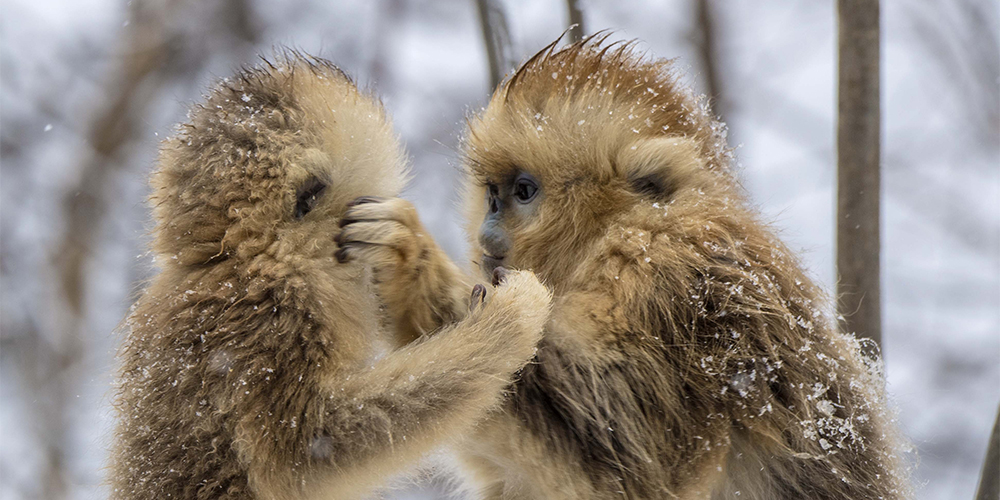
{"x": 423, "y": 289}
{"x": 513, "y": 315}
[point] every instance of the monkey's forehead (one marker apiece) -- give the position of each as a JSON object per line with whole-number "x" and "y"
{"x": 261, "y": 116}
{"x": 261, "y": 132}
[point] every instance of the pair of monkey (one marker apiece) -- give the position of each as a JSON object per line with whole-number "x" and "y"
{"x": 652, "y": 339}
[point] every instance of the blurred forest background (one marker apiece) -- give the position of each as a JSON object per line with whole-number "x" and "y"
{"x": 89, "y": 87}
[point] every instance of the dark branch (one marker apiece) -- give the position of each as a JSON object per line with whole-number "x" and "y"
{"x": 858, "y": 161}
{"x": 497, "y": 38}
{"x": 575, "y": 20}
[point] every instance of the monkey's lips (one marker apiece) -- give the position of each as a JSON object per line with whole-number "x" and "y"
{"x": 491, "y": 262}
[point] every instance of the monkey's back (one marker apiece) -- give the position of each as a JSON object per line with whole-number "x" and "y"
{"x": 224, "y": 357}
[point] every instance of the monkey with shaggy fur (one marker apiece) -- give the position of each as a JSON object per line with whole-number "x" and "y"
{"x": 249, "y": 366}
{"x": 687, "y": 355}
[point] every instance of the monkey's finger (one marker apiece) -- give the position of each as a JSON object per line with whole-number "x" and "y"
{"x": 382, "y": 259}
{"x": 343, "y": 255}
{"x": 499, "y": 275}
{"x": 396, "y": 209}
{"x": 386, "y": 233}
{"x": 374, "y": 255}
{"x": 478, "y": 297}
{"x": 364, "y": 199}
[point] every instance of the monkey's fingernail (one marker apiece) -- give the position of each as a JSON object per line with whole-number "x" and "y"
{"x": 499, "y": 275}
{"x": 345, "y": 221}
{"x": 362, "y": 200}
{"x": 341, "y": 255}
{"x": 478, "y": 296}
{"x": 339, "y": 238}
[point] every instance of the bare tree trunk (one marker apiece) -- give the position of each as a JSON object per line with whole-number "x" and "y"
{"x": 858, "y": 189}
{"x": 497, "y": 37}
{"x": 575, "y": 20}
{"x": 152, "y": 46}
{"x": 57, "y": 359}
{"x": 989, "y": 479}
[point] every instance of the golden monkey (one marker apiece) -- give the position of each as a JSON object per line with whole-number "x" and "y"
{"x": 249, "y": 367}
{"x": 687, "y": 355}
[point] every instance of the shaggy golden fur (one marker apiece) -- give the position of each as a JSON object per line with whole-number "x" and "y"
{"x": 687, "y": 355}
{"x": 249, "y": 366}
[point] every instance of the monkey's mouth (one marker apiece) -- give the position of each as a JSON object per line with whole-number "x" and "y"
{"x": 491, "y": 262}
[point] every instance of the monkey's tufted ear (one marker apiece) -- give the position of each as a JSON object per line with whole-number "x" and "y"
{"x": 657, "y": 167}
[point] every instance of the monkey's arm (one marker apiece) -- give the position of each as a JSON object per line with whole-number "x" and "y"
{"x": 359, "y": 428}
{"x": 423, "y": 289}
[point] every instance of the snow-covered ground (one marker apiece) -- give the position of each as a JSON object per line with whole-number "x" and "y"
{"x": 941, "y": 188}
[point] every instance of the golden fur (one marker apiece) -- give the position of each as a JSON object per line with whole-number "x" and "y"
{"x": 687, "y": 355}
{"x": 249, "y": 366}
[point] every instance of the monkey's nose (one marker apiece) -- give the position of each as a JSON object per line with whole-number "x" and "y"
{"x": 494, "y": 242}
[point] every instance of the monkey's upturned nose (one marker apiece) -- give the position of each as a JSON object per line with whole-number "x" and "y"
{"x": 494, "y": 241}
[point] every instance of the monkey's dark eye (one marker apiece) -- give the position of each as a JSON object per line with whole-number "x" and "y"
{"x": 306, "y": 199}
{"x": 649, "y": 185}
{"x": 525, "y": 189}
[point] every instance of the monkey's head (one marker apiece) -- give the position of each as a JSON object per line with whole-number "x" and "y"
{"x": 575, "y": 140}
{"x": 268, "y": 164}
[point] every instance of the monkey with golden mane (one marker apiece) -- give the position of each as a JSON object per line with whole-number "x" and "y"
{"x": 249, "y": 367}
{"x": 687, "y": 354}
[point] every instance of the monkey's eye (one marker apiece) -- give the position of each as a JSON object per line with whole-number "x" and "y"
{"x": 307, "y": 196}
{"x": 525, "y": 189}
{"x": 649, "y": 185}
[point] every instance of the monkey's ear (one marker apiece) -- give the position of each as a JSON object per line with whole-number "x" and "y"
{"x": 659, "y": 166}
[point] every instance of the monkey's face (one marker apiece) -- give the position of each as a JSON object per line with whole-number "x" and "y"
{"x": 511, "y": 203}
{"x": 546, "y": 210}
{"x": 525, "y": 213}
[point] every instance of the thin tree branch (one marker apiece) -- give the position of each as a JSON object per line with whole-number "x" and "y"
{"x": 575, "y": 20}
{"x": 989, "y": 479}
{"x": 497, "y": 37}
{"x": 709, "y": 54}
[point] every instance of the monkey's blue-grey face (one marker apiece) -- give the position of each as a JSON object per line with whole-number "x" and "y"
{"x": 511, "y": 203}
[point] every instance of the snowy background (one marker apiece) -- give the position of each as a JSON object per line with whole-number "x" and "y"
{"x": 89, "y": 87}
